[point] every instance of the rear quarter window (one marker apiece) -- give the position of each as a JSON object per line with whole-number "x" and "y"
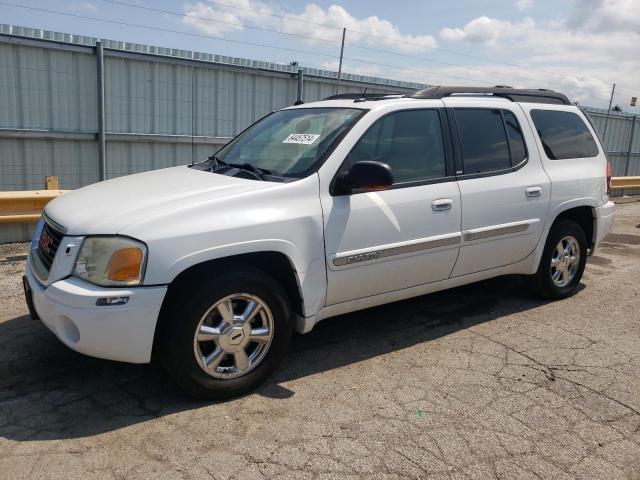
{"x": 563, "y": 135}
{"x": 517, "y": 146}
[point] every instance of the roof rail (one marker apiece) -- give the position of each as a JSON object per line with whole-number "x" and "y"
{"x": 540, "y": 95}
{"x": 364, "y": 96}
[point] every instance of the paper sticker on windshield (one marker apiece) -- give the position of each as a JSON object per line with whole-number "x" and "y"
{"x": 301, "y": 138}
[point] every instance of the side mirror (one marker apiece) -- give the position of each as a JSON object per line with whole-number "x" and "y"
{"x": 368, "y": 175}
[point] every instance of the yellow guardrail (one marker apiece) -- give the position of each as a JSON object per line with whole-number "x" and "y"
{"x": 621, "y": 183}
{"x": 27, "y": 206}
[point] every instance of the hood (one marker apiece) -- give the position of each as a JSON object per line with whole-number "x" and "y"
{"x": 108, "y": 207}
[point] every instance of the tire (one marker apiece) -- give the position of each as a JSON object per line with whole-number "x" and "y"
{"x": 185, "y": 357}
{"x": 560, "y": 281}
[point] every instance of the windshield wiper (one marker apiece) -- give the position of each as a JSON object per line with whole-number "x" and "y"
{"x": 247, "y": 167}
{"x": 217, "y": 163}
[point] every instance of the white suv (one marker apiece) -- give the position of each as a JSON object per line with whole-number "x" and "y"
{"x": 314, "y": 211}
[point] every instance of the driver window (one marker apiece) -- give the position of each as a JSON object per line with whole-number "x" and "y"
{"x": 409, "y": 141}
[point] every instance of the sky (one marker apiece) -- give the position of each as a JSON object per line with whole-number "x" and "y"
{"x": 578, "y": 47}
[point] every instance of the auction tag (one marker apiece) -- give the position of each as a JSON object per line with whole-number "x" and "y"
{"x": 301, "y": 138}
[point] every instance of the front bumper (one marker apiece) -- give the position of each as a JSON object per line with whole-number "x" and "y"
{"x": 604, "y": 216}
{"x": 114, "y": 332}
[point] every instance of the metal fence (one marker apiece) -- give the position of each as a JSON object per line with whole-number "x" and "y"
{"x": 157, "y": 107}
{"x": 620, "y": 133}
{"x": 162, "y": 107}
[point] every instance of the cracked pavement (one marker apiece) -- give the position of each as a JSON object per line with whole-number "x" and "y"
{"x": 484, "y": 381}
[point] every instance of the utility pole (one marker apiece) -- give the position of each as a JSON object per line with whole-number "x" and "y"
{"x": 344, "y": 32}
{"x": 606, "y": 120}
{"x": 299, "y": 100}
{"x": 102, "y": 149}
{"x": 630, "y": 147}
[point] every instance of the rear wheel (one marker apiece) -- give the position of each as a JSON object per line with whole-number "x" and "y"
{"x": 562, "y": 263}
{"x": 226, "y": 334}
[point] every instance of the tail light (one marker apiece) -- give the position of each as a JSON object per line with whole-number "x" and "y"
{"x": 608, "y": 178}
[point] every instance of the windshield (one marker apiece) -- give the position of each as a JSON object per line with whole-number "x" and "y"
{"x": 290, "y": 143}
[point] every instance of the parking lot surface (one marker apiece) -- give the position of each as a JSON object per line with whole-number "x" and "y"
{"x": 483, "y": 381}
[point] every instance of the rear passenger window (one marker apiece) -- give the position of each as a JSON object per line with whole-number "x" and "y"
{"x": 483, "y": 140}
{"x": 409, "y": 141}
{"x": 563, "y": 135}
{"x": 516, "y": 141}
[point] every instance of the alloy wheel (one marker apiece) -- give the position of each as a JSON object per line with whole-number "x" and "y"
{"x": 565, "y": 261}
{"x": 233, "y": 336}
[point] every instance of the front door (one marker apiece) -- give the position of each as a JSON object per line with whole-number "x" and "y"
{"x": 409, "y": 235}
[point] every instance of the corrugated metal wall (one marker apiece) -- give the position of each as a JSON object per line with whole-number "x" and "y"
{"x": 48, "y": 83}
{"x": 622, "y": 150}
{"x": 163, "y": 107}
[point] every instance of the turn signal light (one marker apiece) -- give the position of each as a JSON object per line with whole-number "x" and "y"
{"x": 125, "y": 265}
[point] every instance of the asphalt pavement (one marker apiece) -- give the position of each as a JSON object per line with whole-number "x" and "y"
{"x": 483, "y": 381}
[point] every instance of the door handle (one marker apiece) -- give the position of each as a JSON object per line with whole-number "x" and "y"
{"x": 533, "y": 191}
{"x": 442, "y": 204}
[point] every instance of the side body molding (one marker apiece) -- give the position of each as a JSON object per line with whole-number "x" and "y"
{"x": 511, "y": 228}
{"x": 344, "y": 259}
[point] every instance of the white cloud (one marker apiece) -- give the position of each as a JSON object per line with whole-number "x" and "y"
{"x": 210, "y": 18}
{"x": 84, "y": 7}
{"x": 553, "y": 42}
{"x": 581, "y": 54}
{"x": 605, "y": 15}
{"x": 488, "y": 31}
{"x": 217, "y": 19}
{"x": 524, "y": 4}
{"x": 337, "y": 17}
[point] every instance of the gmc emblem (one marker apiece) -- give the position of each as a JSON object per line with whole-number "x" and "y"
{"x": 45, "y": 242}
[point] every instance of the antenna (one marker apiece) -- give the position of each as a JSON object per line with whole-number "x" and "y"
{"x": 344, "y": 32}
{"x": 193, "y": 114}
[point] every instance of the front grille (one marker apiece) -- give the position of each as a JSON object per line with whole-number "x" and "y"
{"x": 48, "y": 245}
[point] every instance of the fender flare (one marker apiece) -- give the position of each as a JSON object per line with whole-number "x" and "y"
{"x": 223, "y": 251}
{"x": 552, "y": 217}
{"x": 568, "y": 205}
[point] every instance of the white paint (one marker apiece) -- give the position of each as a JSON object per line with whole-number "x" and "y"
{"x": 188, "y": 216}
{"x": 123, "y": 333}
{"x": 382, "y": 205}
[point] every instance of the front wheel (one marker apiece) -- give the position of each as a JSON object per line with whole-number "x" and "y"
{"x": 226, "y": 334}
{"x": 562, "y": 263}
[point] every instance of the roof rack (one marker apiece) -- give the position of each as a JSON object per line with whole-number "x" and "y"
{"x": 540, "y": 95}
{"x": 364, "y": 96}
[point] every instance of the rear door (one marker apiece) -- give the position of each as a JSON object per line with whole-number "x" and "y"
{"x": 504, "y": 189}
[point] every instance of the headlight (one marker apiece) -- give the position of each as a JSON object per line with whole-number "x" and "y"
{"x": 111, "y": 261}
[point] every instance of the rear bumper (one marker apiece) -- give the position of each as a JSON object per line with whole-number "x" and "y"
{"x": 604, "y": 216}
{"x": 116, "y": 332}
